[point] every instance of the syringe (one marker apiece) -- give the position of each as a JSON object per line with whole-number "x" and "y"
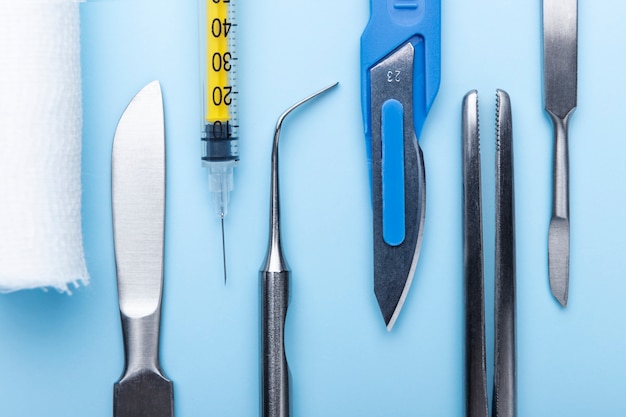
{"x": 220, "y": 127}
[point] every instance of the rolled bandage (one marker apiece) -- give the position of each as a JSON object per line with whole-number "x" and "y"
{"x": 40, "y": 146}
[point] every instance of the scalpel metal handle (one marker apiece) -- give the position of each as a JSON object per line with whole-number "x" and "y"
{"x": 560, "y": 206}
{"x": 141, "y": 342}
{"x": 274, "y": 302}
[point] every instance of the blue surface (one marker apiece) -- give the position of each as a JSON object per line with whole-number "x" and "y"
{"x": 60, "y": 355}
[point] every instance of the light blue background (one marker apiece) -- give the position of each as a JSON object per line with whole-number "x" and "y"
{"x": 60, "y": 355}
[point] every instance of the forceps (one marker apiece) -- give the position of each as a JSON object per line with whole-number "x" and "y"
{"x": 504, "y": 392}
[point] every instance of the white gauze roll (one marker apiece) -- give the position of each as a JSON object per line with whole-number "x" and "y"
{"x": 40, "y": 145}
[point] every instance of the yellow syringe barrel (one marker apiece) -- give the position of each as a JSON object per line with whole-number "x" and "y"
{"x": 218, "y": 60}
{"x": 218, "y": 73}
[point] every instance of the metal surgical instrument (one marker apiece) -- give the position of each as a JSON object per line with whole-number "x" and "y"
{"x": 274, "y": 276}
{"x": 560, "y": 72}
{"x": 475, "y": 357}
{"x": 504, "y": 392}
{"x": 138, "y": 194}
{"x": 400, "y": 75}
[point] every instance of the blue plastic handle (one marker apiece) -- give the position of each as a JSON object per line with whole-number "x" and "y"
{"x": 393, "y": 23}
{"x": 393, "y": 167}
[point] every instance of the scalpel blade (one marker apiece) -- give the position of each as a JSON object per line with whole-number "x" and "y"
{"x": 138, "y": 193}
{"x": 400, "y": 76}
{"x": 398, "y": 181}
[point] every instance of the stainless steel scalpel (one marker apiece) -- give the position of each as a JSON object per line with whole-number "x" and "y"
{"x": 138, "y": 185}
{"x": 400, "y": 77}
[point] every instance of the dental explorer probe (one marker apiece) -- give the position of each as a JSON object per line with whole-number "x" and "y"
{"x": 274, "y": 277}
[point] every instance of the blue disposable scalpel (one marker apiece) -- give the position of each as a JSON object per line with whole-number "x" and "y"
{"x": 400, "y": 74}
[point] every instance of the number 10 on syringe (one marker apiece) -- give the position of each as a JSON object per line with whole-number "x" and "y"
{"x": 220, "y": 127}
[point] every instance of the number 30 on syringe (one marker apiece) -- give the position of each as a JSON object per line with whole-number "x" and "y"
{"x": 221, "y": 59}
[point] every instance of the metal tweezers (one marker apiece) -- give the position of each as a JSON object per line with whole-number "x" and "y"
{"x": 504, "y": 392}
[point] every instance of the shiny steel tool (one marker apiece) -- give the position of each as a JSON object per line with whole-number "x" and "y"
{"x": 138, "y": 194}
{"x": 504, "y": 392}
{"x": 476, "y": 402}
{"x": 274, "y": 277}
{"x": 560, "y": 72}
{"x": 504, "y": 384}
{"x": 400, "y": 75}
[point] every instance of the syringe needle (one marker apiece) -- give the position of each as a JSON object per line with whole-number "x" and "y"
{"x": 223, "y": 251}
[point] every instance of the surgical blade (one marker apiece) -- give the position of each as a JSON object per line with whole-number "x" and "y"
{"x": 400, "y": 75}
{"x": 138, "y": 194}
{"x": 398, "y": 181}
